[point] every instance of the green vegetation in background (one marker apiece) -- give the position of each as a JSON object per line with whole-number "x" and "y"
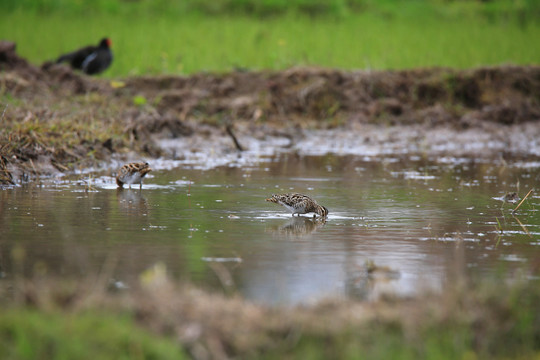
{"x": 31, "y": 334}
{"x": 156, "y": 37}
{"x": 523, "y": 10}
{"x": 194, "y": 44}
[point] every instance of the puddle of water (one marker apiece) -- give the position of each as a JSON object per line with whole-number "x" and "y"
{"x": 398, "y": 225}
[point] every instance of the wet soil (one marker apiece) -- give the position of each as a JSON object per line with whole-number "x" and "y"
{"x": 55, "y": 119}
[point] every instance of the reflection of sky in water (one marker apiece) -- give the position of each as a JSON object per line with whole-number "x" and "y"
{"x": 421, "y": 224}
{"x": 299, "y": 269}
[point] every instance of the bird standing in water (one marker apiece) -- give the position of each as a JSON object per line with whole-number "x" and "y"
{"x": 90, "y": 59}
{"x": 132, "y": 173}
{"x": 299, "y": 204}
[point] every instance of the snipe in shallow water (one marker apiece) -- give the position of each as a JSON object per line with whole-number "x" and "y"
{"x": 132, "y": 173}
{"x": 299, "y": 204}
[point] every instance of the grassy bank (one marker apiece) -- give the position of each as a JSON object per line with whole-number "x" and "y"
{"x": 185, "y": 42}
{"x": 59, "y": 319}
{"x": 27, "y": 333}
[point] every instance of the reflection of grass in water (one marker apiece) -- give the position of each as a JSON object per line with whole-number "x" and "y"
{"x": 499, "y": 230}
{"x": 192, "y": 43}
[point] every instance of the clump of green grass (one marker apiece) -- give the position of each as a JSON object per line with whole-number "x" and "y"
{"x": 33, "y": 334}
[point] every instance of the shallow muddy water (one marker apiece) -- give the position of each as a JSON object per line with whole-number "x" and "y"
{"x": 397, "y": 225}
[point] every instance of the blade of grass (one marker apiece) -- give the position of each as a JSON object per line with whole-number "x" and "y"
{"x": 521, "y": 202}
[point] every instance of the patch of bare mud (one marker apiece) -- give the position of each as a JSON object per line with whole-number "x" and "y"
{"x": 506, "y": 95}
{"x": 477, "y": 113}
{"x": 369, "y": 141}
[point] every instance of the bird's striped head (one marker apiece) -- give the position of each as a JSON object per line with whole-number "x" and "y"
{"x": 322, "y": 211}
{"x": 145, "y": 168}
{"x": 272, "y": 198}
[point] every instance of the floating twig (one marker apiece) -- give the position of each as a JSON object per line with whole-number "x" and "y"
{"x": 522, "y": 200}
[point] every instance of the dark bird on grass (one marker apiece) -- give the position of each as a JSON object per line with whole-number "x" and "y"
{"x": 299, "y": 204}
{"x": 90, "y": 59}
{"x": 132, "y": 173}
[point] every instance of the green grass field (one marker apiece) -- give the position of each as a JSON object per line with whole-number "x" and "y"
{"x": 173, "y": 42}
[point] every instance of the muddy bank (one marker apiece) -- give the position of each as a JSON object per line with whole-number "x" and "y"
{"x": 54, "y": 119}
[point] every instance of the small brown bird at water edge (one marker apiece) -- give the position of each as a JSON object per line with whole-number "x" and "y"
{"x": 132, "y": 173}
{"x": 299, "y": 204}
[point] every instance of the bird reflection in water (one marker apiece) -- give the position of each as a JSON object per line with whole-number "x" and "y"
{"x": 301, "y": 225}
{"x": 370, "y": 281}
{"x": 132, "y": 202}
